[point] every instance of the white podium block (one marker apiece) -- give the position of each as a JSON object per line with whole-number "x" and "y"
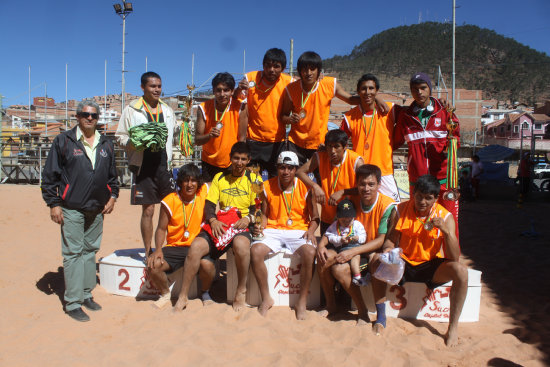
{"x": 283, "y": 279}
{"x": 415, "y": 301}
{"x": 123, "y": 273}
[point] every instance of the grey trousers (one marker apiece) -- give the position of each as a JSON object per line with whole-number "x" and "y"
{"x": 80, "y": 239}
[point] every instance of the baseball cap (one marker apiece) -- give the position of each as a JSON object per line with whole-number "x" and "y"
{"x": 345, "y": 209}
{"x": 421, "y": 78}
{"x": 289, "y": 158}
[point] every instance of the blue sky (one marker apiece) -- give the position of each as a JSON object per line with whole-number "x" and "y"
{"x": 48, "y": 34}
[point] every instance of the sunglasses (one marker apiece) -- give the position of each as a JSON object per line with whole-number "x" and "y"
{"x": 95, "y": 116}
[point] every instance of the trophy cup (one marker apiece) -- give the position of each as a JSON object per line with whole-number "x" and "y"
{"x": 257, "y": 187}
{"x": 186, "y": 136}
{"x": 452, "y": 193}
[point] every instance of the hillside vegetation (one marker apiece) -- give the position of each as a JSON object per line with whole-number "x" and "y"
{"x": 502, "y": 67}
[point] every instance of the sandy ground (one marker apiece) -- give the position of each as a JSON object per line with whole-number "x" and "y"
{"x": 513, "y": 328}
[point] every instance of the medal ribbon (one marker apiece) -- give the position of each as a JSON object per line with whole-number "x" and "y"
{"x": 288, "y": 205}
{"x": 365, "y": 122}
{"x": 224, "y": 111}
{"x": 429, "y": 217}
{"x": 350, "y": 234}
{"x": 337, "y": 174}
{"x": 185, "y": 220}
{"x": 268, "y": 89}
{"x": 159, "y": 110}
{"x": 303, "y": 103}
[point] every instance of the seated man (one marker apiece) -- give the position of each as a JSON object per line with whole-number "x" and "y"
{"x": 290, "y": 219}
{"x": 337, "y": 167}
{"x": 373, "y": 211}
{"x": 422, "y": 228}
{"x": 179, "y": 223}
{"x": 232, "y": 190}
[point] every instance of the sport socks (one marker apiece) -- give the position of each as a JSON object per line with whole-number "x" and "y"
{"x": 381, "y": 314}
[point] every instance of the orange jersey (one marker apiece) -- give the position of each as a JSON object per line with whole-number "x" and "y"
{"x": 373, "y": 143}
{"x": 216, "y": 150}
{"x": 311, "y": 130}
{"x": 264, "y": 108}
{"x": 371, "y": 218}
{"x": 335, "y": 178}
{"x": 418, "y": 244}
{"x": 193, "y": 216}
{"x": 277, "y": 212}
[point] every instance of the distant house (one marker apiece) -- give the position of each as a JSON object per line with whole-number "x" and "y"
{"x": 506, "y": 131}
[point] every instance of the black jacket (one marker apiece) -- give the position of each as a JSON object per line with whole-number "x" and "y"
{"x": 69, "y": 180}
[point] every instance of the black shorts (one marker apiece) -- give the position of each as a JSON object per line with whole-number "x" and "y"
{"x": 324, "y": 227}
{"x": 265, "y": 154}
{"x": 175, "y": 256}
{"x": 209, "y": 171}
{"x": 303, "y": 154}
{"x": 422, "y": 273}
{"x": 214, "y": 253}
{"x": 154, "y": 181}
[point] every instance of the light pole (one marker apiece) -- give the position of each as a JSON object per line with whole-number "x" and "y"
{"x": 123, "y": 10}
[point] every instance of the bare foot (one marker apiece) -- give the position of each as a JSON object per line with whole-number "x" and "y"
{"x": 300, "y": 310}
{"x": 363, "y": 319}
{"x": 240, "y": 301}
{"x": 378, "y": 329}
{"x": 328, "y": 312}
{"x": 162, "y": 301}
{"x": 451, "y": 338}
{"x": 181, "y": 304}
{"x": 265, "y": 306}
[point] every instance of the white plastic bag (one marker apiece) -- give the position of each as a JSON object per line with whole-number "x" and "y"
{"x": 391, "y": 267}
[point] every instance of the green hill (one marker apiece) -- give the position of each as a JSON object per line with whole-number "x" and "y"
{"x": 500, "y": 66}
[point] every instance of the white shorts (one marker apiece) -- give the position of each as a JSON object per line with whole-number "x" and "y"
{"x": 389, "y": 188}
{"x": 288, "y": 240}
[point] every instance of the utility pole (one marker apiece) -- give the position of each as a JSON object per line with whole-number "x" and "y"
{"x": 291, "y": 68}
{"x": 123, "y": 11}
{"x": 454, "y": 34}
{"x": 66, "y": 100}
{"x": 1, "y": 136}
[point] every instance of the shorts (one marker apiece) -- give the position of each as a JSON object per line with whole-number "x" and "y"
{"x": 342, "y": 248}
{"x": 303, "y": 154}
{"x": 209, "y": 171}
{"x": 389, "y": 188}
{"x": 324, "y": 227}
{"x": 175, "y": 256}
{"x": 422, "y": 273}
{"x": 214, "y": 253}
{"x": 279, "y": 239}
{"x": 154, "y": 181}
{"x": 265, "y": 154}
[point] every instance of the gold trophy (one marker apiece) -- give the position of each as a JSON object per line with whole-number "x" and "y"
{"x": 257, "y": 187}
{"x": 451, "y": 148}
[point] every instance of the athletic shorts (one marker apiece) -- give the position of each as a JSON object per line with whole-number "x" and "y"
{"x": 265, "y": 154}
{"x": 214, "y": 253}
{"x": 279, "y": 239}
{"x": 209, "y": 171}
{"x": 422, "y": 273}
{"x": 303, "y": 154}
{"x": 389, "y": 188}
{"x": 153, "y": 182}
{"x": 175, "y": 256}
{"x": 324, "y": 227}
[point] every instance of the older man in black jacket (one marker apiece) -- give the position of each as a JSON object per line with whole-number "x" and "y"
{"x": 80, "y": 185}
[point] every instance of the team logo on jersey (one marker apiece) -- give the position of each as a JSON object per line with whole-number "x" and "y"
{"x": 234, "y": 191}
{"x": 437, "y": 122}
{"x": 77, "y": 152}
{"x": 103, "y": 153}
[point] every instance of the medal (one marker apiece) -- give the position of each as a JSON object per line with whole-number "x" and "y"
{"x": 367, "y": 146}
{"x": 219, "y": 126}
{"x": 187, "y": 219}
{"x": 251, "y": 84}
{"x": 367, "y": 133}
{"x": 302, "y": 114}
{"x": 288, "y": 205}
{"x": 289, "y": 222}
{"x": 428, "y": 226}
{"x": 450, "y": 195}
{"x": 219, "y": 123}
{"x": 186, "y": 234}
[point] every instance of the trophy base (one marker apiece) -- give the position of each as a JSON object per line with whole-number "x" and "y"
{"x": 258, "y": 238}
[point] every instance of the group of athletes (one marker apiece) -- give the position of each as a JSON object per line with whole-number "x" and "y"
{"x": 206, "y": 211}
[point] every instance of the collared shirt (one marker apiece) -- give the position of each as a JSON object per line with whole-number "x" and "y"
{"x": 90, "y": 149}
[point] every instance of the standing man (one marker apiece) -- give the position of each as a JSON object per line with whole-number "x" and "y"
{"x": 423, "y": 127}
{"x": 263, "y": 90}
{"x": 151, "y": 178}
{"x": 422, "y": 228}
{"x": 477, "y": 170}
{"x": 290, "y": 219}
{"x": 306, "y": 105}
{"x": 217, "y": 127}
{"x": 337, "y": 166}
{"x": 371, "y": 132}
{"x": 80, "y": 185}
{"x": 374, "y": 210}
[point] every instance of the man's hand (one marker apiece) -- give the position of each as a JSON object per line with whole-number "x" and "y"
{"x": 154, "y": 257}
{"x": 108, "y": 209}
{"x": 319, "y": 194}
{"x": 439, "y": 223}
{"x": 214, "y": 133}
{"x": 56, "y": 213}
{"x": 344, "y": 256}
{"x": 242, "y": 223}
{"x": 243, "y": 85}
{"x": 381, "y": 105}
{"x": 322, "y": 255}
{"x": 257, "y": 230}
{"x": 294, "y": 118}
{"x": 310, "y": 237}
{"x": 335, "y": 197}
{"x": 218, "y": 228}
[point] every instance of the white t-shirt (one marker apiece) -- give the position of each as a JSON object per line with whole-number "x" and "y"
{"x": 336, "y": 239}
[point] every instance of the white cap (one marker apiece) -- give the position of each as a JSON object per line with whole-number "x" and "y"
{"x": 289, "y": 158}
